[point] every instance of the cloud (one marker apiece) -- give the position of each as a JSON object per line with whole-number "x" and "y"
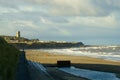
{"x": 73, "y": 8}
{"x": 79, "y": 7}
{"x": 55, "y": 20}
{"x": 60, "y": 18}
{"x": 65, "y": 7}
{"x": 4, "y": 10}
{"x": 105, "y": 21}
{"x": 61, "y": 31}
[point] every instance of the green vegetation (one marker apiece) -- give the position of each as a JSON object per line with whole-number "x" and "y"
{"x": 40, "y": 45}
{"x": 9, "y": 57}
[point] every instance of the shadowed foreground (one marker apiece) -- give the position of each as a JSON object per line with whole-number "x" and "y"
{"x": 22, "y": 71}
{"x": 9, "y": 57}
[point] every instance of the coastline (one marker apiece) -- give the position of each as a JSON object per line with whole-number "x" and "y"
{"x": 82, "y": 62}
{"x": 47, "y": 58}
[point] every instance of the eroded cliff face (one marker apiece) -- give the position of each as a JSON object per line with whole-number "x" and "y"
{"x": 47, "y": 45}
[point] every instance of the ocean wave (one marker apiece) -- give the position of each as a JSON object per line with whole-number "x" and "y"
{"x": 109, "y": 52}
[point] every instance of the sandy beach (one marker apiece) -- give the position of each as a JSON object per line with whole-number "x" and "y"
{"x": 46, "y": 58}
{"x": 77, "y": 61}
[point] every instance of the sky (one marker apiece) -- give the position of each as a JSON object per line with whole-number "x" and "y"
{"x": 89, "y": 21}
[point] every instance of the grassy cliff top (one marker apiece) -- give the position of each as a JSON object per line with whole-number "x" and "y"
{"x": 9, "y": 57}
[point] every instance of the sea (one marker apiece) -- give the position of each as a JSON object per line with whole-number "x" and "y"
{"x": 104, "y": 52}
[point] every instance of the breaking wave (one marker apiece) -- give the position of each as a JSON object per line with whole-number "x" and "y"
{"x": 104, "y": 52}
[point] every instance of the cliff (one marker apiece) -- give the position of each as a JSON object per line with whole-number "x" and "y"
{"x": 24, "y": 43}
{"x": 41, "y": 45}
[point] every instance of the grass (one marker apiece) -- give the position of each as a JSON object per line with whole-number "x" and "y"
{"x": 9, "y": 57}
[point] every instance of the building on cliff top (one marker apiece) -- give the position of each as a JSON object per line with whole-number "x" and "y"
{"x": 18, "y": 34}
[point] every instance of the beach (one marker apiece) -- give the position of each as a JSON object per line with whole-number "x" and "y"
{"x": 50, "y": 61}
{"x": 47, "y": 58}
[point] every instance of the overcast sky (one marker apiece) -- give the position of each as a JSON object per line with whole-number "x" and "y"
{"x": 89, "y": 21}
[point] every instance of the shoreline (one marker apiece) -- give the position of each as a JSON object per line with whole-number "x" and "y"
{"x": 50, "y": 60}
{"x": 97, "y": 55}
{"x": 46, "y": 57}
